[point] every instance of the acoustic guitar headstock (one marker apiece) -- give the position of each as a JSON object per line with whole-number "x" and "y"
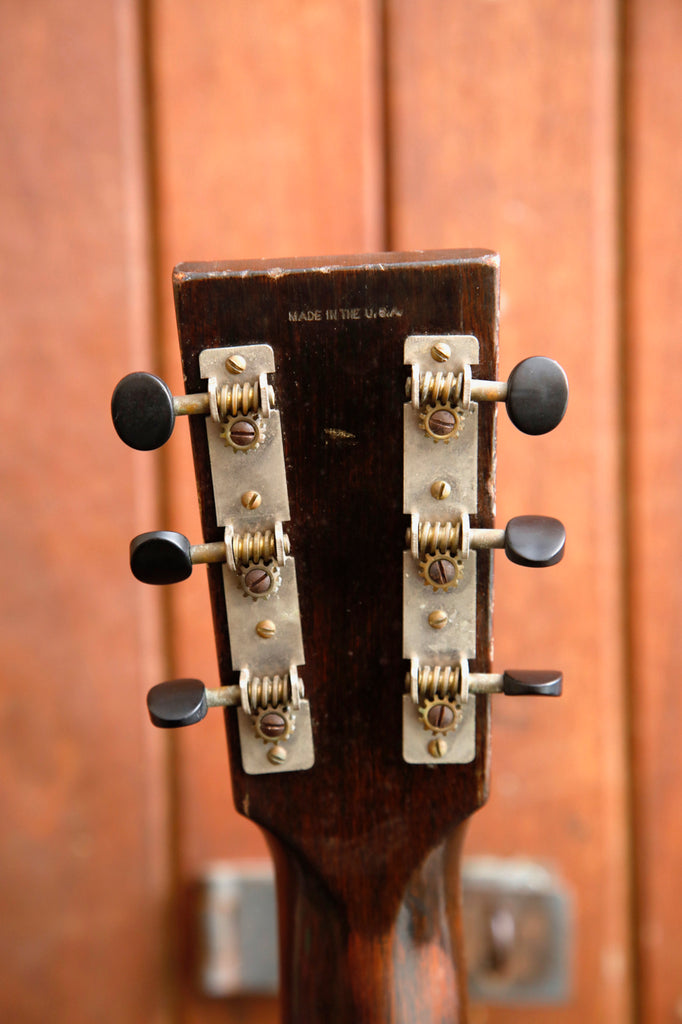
{"x": 342, "y": 414}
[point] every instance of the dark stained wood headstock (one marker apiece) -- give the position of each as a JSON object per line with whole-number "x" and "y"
{"x": 367, "y": 846}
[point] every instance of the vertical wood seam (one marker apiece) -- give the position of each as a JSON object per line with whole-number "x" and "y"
{"x": 628, "y": 524}
{"x": 159, "y": 295}
{"x": 386, "y": 141}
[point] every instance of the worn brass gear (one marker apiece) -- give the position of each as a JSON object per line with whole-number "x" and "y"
{"x": 245, "y": 442}
{"x": 268, "y": 728}
{"x": 443, "y": 576}
{"x": 429, "y": 428}
{"x": 257, "y": 586}
{"x": 443, "y": 721}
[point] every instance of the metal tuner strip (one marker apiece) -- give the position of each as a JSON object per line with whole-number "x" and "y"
{"x": 244, "y": 439}
{"x": 440, "y": 564}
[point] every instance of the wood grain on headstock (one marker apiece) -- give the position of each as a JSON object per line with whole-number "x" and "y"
{"x": 366, "y": 846}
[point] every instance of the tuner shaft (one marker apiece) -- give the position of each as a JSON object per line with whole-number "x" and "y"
{"x": 191, "y": 405}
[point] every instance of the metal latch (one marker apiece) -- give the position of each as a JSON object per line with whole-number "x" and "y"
{"x": 517, "y": 927}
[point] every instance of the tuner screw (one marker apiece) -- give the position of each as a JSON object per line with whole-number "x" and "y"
{"x": 258, "y": 581}
{"x": 440, "y": 489}
{"x": 251, "y": 499}
{"x": 277, "y": 754}
{"x": 441, "y": 352}
{"x": 438, "y": 619}
{"x": 272, "y": 725}
{"x": 266, "y": 628}
{"x": 242, "y": 434}
{"x": 438, "y": 747}
{"x": 441, "y": 571}
{"x": 235, "y": 364}
{"x": 441, "y": 423}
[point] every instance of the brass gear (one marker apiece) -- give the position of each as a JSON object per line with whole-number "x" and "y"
{"x": 267, "y": 567}
{"x": 264, "y": 727}
{"x": 253, "y": 422}
{"x": 449, "y": 718}
{"x": 425, "y": 424}
{"x": 446, "y": 578}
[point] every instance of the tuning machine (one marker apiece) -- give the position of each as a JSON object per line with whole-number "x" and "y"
{"x": 440, "y": 566}
{"x": 535, "y": 395}
{"x": 144, "y": 410}
{"x": 441, "y": 548}
{"x": 250, "y": 504}
{"x": 439, "y": 702}
{"x": 273, "y": 716}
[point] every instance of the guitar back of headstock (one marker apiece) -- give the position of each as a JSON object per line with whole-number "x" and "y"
{"x": 386, "y": 504}
{"x": 338, "y": 330}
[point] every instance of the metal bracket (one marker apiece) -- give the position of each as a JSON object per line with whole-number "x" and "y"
{"x": 251, "y": 500}
{"x": 440, "y": 487}
{"x": 517, "y": 928}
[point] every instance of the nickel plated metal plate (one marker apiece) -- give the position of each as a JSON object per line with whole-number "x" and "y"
{"x": 461, "y": 742}
{"x": 420, "y": 640}
{"x": 456, "y": 463}
{"x": 264, "y": 656}
{"x": 299, "y": 745}
{"x": 426, "y": 460}
{"x": 261, "y": 469}
{"x": 258, "y": 469}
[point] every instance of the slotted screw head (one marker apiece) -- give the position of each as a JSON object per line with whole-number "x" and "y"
{"x": 266, "y": 628}
{"x": 441, "y": 352}
{"x": 438, "y": 619}
{"x": 251, "y": 499}
{"x": 257, "y": 580}
{"x": 438, "y": 747}
{"x": 277, "y": 754}
{"x": 272, "y": 724}
{"x": 442, "y": 422}
{"x": 235, "y": 364}
{"x": 440, "y": 716}
{"x": 242, "y": 433}
{"x": 440, "y": 489}
{"x": 441, "y": 571}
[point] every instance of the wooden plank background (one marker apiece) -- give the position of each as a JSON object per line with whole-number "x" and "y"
{"x": 139, "y": 133}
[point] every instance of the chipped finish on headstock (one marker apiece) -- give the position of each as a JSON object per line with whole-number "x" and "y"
{"x": 359, "y": 839}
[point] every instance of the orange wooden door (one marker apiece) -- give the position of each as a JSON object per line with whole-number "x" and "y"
{"x": 136, "y": 135}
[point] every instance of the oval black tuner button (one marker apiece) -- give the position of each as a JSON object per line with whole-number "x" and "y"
{"x": 536, "y": 541}
{"x": 178, "y": 703}
{"x": 532, "y": 683}
{"x": 537, "y": 395}
{"x": 160, "y": 557}
{"x": 142, "y": 411}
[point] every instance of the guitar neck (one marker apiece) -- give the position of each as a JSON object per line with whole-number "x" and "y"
{"x": 379, "y": 957}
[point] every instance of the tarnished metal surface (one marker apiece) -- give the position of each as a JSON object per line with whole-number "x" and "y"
{"x": 299, "y": 746}
{"x": 461, "y": 743}
{"x": 420, "y": 640}
{"x": 251, "y": 500}
{"x": 272, "y": 655}
{"x": 440, "y": 485}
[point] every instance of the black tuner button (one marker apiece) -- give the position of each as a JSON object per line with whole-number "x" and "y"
{"x": 537, "y": 395}
{"x": 520, "y": 683}
{"x": 160, "y": 557}
{"x": 536, "y": 541}
{"x": 181, "y": 702}
{"x": 142, "y": 410}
